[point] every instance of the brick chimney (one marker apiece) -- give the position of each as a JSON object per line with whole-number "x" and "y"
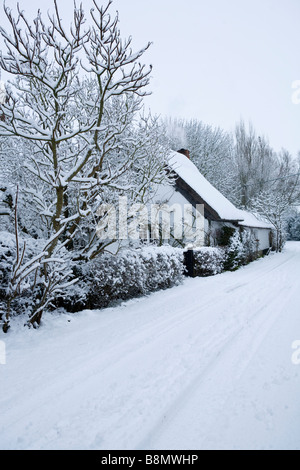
{"x": 185, "y": 152}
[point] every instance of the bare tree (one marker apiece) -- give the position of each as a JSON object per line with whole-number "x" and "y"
{"x": 254, "y": 161}
{"x": 281, "y": 193}
{"x": 72, "y": 106}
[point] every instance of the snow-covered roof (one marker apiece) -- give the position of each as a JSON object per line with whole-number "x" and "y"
{"x": 190, "y": 174}
{"x": 250, "y": 220}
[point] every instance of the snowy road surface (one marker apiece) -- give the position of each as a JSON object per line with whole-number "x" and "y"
{"x": 206, "y": 365}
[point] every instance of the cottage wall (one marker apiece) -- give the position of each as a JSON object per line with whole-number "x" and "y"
{"x": 263, "y": 235}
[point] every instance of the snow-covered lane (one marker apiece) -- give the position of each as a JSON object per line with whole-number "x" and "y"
{"x": 248, "y": 397}
{"x": 203, "y": 365}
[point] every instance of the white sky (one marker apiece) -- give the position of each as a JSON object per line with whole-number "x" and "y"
{"x": 216, "y": 60}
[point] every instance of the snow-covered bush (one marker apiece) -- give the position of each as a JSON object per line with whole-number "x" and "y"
{"x": 76, "y": 297}
{"x": 24, "y": 289}
{"x": 208, "y": 261}
{"x": 242, "y": 250}
{"x": 6, "y": 205}
{"x": 250, "y": 246}
{"x": 234, "y": 253}
{"x": 129, "y": 274}
{"x": 8, "y": 256}
{"x": 224, "y": 235}
{"x": 293, "y": 226}
{"x": 134, "y": 273}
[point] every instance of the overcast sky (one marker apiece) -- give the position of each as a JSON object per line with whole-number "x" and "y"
{"x": 216, "y": 60}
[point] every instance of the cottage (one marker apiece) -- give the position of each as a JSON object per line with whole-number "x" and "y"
{"x": 192, "y": 188}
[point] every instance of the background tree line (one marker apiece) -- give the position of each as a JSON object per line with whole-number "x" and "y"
{"x": 245, "y": 168}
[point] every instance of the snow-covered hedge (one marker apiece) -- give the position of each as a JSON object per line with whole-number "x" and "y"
{"x": 24, "y": 290}
{"x": 242, "y": 250}
{"x": 129, "y": 274}
{"x": 209, "y": 261}
{"x": 134, "y": 273}
{"x": 108, "y": 278}
{"x": 8, "y": 254}
{"x": 7, "y": 258}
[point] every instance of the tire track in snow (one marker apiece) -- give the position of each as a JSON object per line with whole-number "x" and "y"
{"x": 245, "y": 346}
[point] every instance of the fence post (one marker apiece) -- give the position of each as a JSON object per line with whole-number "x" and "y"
{"x": 189, "y": 263}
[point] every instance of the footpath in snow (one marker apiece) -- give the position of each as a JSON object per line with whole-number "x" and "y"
{"x": 206, "y": 365}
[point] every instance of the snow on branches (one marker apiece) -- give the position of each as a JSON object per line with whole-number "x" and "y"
{"x": 73, "y": 109}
